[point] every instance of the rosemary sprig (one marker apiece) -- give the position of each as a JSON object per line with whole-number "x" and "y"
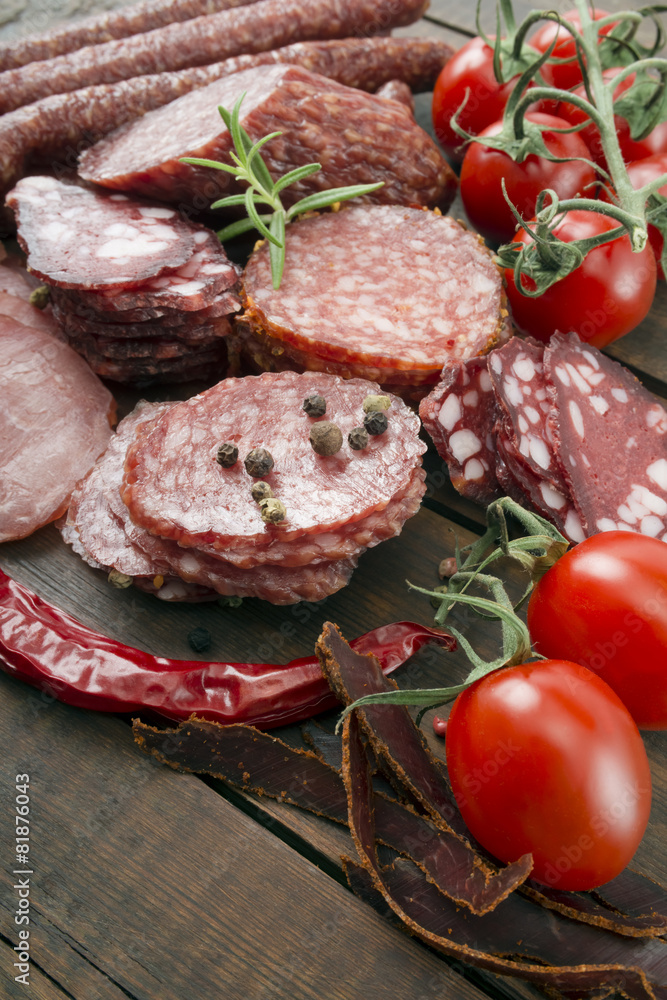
{"x": 249, "y": 167}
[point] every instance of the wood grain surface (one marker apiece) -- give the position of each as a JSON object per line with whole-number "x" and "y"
{"x": 154, "y": 885}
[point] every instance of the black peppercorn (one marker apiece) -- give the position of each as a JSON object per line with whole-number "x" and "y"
{"x": 258, "y": 463}
{"x": 199, "y": 639}
{"x": 315, "y": 405}
{"x": 376, "y": 422}
{"x": 357, "y": 439}
{"x": 326, "y": 438}
{"x": 228, "y": 455}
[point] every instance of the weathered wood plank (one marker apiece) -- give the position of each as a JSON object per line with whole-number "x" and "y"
{"x": 169, "y": 892}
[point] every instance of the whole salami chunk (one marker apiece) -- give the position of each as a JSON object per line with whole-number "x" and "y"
{"x": 399, "y": 291}
{"x": 56, "y": 129}
{"x": 77, "y": 238}
{"x": 204, "y": 40}
{"x": 103, "y": 27}
{"x": 54, "y": 422}
{"x": 357, "y": 137}
{"x": 459, "y": 415}
{"x": 196, "y": 502}
{"x": 610, "y": 435}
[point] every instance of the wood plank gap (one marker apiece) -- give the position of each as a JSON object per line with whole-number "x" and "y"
{"x": 35, "y": 965}
{"x": 448, "y": 24}
{"x": 438, "y": 507}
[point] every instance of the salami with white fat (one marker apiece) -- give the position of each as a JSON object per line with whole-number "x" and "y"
{"x": 77, "y": 238}
{"x": 610, "y": 436}
{"x": 387, "y": 291}
{"x": 357, "y": 138}
{"x": 55, "y": 419}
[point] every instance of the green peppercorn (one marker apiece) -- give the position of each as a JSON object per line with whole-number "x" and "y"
{"x": 228, "y": 455}
{"x": 40, "y": 297}
{"x": 376, "y": 403}
{"x": 376, "y": 422}
{"x": 120, "y": 580}
{"x": 357, "y": 439}
{"x": 315, "y": 405}
{"x": 273, "y": 511}
{"x": 258, "y": 463}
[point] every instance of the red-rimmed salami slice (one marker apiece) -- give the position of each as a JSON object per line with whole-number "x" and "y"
{"x": 54, "y": 422}
{"x": 366, "y": 139}
{"x": 459, "y": 415}
{"x": 610, "y": 435}
{"x": 385, "y": 287}
{"x": 525, "y": 436}
{"x": 197, "y": 502}
{"x": 77, "y": 238}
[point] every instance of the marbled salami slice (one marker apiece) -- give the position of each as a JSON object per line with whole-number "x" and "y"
{"x": 54, "y": 422}
{"x": 77, "y": 238}
{"x": 380, "y": 286}
{"x": 459, "y": 415}
{"x": 610, "y": 436}
{"x": 524, "y": 438}
{"x": 357, "y": 137}
{"x": 198, "y": 503}
{"x": 188, "y": 333}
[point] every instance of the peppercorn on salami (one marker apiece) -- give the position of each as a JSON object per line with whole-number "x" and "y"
{"x": 382, "y": 292}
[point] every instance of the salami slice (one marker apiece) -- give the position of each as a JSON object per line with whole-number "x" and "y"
{"x": 198, "y": 503}
{"x": 525, "y": 436}
{"x": 366, "y": 138}
{"x": 460, "y": 415}
{"x": 77, "y": 238}
{"x": 54, "y": 422}
{"x": 42, "y": 131}
{"x": 386, "y": 287}
{"x": 610, "y": 435}
{"x": 204, "y": 40}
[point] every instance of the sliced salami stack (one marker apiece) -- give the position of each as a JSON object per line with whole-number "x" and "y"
{"x": 142, "y": 293}
{"x": 381, "y": 292}
{"x": 176, "y": 503}
{"x": 562, "y": 429}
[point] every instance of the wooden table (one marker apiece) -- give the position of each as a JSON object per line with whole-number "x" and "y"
{"x": 154, "y": 885}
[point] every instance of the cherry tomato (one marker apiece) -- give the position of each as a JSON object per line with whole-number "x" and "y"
{"x": 471, "y": 68}
{"x": 605, "y": 603}
{"x": 545, "y": 758}
{"x": 608, "y": 295}
{"x": 565, "y": 75}
{"x": 484, "y": 168}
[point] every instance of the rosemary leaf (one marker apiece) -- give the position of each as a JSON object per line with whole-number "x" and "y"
{"x": 238, "y": 228}
{"x": 325, "y": 198}
{"x": 295, "y": 175}
{"x": 231, "y": 201}
{"x": 254, "y": 216}
{"x": 196, "y": 162}
{"x": 277, "y": 251}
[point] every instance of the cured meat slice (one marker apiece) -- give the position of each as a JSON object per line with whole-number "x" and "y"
{"x": 54, "y": 422}
{"x": 385, "y": 287}
{"x": 74, "y": 121}
{"x": 610, "y": 436}
{"x": 142, "y": 371}
{"x": 525, "y": 435}
{"x": 21, "y": 310}
{"x": 459, "y": 415}
{"x": 357, "y": 137}
{"x": 204, "y": 40}
{"x": 197, "y": 331}
{"x": 15, "y": 281}
{"x": 103, "y": 27}
{"x": 196, "y": 502}
{"x": 77, "y": 238}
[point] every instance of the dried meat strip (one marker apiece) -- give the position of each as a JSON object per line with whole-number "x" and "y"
{"x": 56, "y": 129}
{"x": 397, "y": 90}
{"x": 557, "y": 953}
{"x": 460, "y": 415}
{"x": 367, "y": 139}
{"x": 610, "y": 437}
{"x": 322, "y": 495}
{"x": 204, "y": 40}
{"x": 390, "y": 288}
{"x": 55, "y": 418}
{"x": 77, "y": 238}
{"x": 104, "y": 27}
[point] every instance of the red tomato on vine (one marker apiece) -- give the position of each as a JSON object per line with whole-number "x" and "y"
{"x": 563, "y": 75}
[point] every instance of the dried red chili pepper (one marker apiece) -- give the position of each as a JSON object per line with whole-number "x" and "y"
{"x": 48, "y": 648}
